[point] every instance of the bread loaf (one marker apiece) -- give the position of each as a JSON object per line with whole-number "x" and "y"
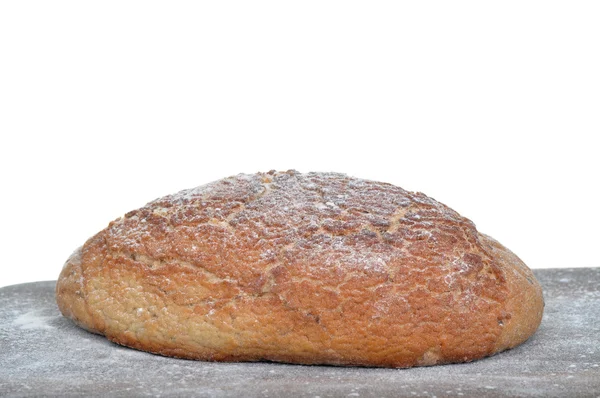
{"x": 316, "y": 268}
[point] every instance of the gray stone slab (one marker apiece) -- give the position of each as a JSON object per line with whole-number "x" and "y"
{"x": 44, "y": 354}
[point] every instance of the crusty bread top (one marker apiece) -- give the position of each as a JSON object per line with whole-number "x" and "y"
{"x": 325, "y": 226}
{"x": 410, "y": 270}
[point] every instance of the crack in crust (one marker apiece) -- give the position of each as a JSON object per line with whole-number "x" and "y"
{"x": 304, "y": 268}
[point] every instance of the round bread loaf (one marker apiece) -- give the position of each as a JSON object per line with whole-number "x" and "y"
{"x": 316, "y": 268}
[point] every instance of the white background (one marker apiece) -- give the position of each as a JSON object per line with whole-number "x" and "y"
{"x": 490, "y": 107}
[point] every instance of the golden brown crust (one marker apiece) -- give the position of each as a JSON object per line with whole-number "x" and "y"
{"x": 315, "y": 268}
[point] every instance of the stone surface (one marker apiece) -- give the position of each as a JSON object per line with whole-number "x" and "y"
{"x": 44, "y": 354}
